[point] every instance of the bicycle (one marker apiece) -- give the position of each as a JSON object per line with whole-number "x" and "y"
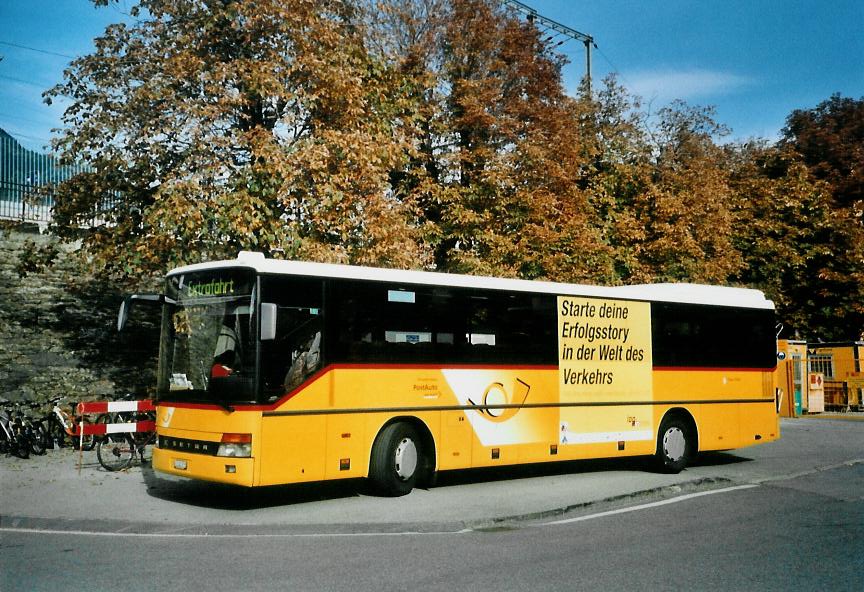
{"x": 33, "y": 427}
{"x": 117, "y": 451}
{"x": 14, "y": 438}
{"x": 61, "y": 424}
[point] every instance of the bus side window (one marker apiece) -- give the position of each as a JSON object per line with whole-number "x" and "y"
{"x": 305, "y": 357}
{"x": 507, "y": 327}
{"x": 711, "y": 336}
{"x": 297, "y": 350}
{"x": 396, "y": 323}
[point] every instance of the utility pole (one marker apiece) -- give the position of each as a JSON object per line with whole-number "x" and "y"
{"x": 587, "y": 40}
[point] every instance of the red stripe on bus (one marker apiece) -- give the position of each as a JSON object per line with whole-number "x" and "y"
{"x": 707, "y": 369}
{"x": 332, "y": 367}
{"x": 442, "y": 367}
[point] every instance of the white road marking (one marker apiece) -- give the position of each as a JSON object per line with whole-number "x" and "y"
{"x": 674, "y": 500}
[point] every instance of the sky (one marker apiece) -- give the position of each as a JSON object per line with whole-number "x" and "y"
{"x": 755, "y": 61}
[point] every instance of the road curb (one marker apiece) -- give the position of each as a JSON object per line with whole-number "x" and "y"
{"x": 665, "y": 491}
{"x": 832, "y": 416}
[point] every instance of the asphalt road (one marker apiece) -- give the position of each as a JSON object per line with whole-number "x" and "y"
{"x": 786, "y": 515}
{"x": 804, "y": 533}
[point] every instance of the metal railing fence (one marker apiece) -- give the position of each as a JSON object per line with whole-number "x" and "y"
{"x": 28, "y": 180}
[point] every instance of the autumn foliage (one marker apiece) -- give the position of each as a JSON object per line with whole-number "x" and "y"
{"x": 437, "y": 134}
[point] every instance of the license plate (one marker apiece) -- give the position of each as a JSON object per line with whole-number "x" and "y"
{"x": 179, "y": 464}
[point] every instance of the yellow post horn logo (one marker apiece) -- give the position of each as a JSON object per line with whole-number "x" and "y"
{"x": 498, "y": 405}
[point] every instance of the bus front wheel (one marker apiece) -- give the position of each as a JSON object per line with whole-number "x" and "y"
{"x": 674, "y": 445}
{"x": 396, "y": 460}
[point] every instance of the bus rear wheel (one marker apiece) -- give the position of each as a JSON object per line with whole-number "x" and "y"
{"x": 674, "y": 445}
{"x": 397, "y": 456}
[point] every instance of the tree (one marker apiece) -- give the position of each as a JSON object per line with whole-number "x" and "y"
{"x": 438, "y": 134}
{"x": 496, "y": 165}
{"x": 781, "y": 215}
{"x": 661, "y": 186}
{"x": 214, "y": 126}
{"x": 690, "y": 224}
{"x": 829, "y": 140}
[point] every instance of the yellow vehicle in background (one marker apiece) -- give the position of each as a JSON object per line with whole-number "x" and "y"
{"x": 274, "y": 372}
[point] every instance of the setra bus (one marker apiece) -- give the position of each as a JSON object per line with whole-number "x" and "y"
{"x": 275, "y": 372}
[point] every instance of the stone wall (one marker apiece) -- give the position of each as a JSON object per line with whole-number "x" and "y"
{"x": 58, "y": 333}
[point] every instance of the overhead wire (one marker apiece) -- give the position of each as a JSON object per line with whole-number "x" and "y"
{"x": 615, "y": 70}
{"x": 38, "y": 50}
{"x": 18, "y": 135}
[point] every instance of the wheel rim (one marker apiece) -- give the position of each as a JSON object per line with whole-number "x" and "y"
{"x": 114, "y": 456}
{"x": 406, "y": 459}
{"x": 674, "y": 444}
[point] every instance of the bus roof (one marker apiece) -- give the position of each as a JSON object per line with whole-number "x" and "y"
{"x": 684, "y": 293}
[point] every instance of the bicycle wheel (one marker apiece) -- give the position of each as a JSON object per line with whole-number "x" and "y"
{"x": 57, "y": 434}
{"x": 22, "y": 445}
{"x": 43, "y": 431}
{"x": 115, "y": 455}
{"x": 37, "y": 439}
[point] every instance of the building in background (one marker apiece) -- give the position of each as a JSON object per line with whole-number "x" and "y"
{"x": 817, "y": 377}
{"x": 840, "y": 364}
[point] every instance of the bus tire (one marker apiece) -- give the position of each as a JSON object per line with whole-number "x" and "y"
{"x": 397, "y": 458}
{"x": 674, "y": 445}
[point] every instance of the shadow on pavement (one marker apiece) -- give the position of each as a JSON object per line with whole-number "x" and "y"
{"x": 637, "y": 463}
{"x": 717, "y": 459}
{"x": 229, "y": 497}
{"x": 531, "y": 471}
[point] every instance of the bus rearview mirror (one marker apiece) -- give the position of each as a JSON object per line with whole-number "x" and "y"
{"x": 123, "y": 314}
{"x": 126, "y": 305}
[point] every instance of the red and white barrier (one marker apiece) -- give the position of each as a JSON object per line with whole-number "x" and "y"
{"x": 115, "y": 406}
{"x": 101, "y": 429}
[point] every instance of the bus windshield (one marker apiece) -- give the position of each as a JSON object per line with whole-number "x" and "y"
{"x": 208, "y": 347}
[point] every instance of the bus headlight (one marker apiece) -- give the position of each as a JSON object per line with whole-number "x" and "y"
{"x": 235, "y": 445}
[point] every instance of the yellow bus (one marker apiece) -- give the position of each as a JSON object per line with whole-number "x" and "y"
{"x": 276, "y": 372}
